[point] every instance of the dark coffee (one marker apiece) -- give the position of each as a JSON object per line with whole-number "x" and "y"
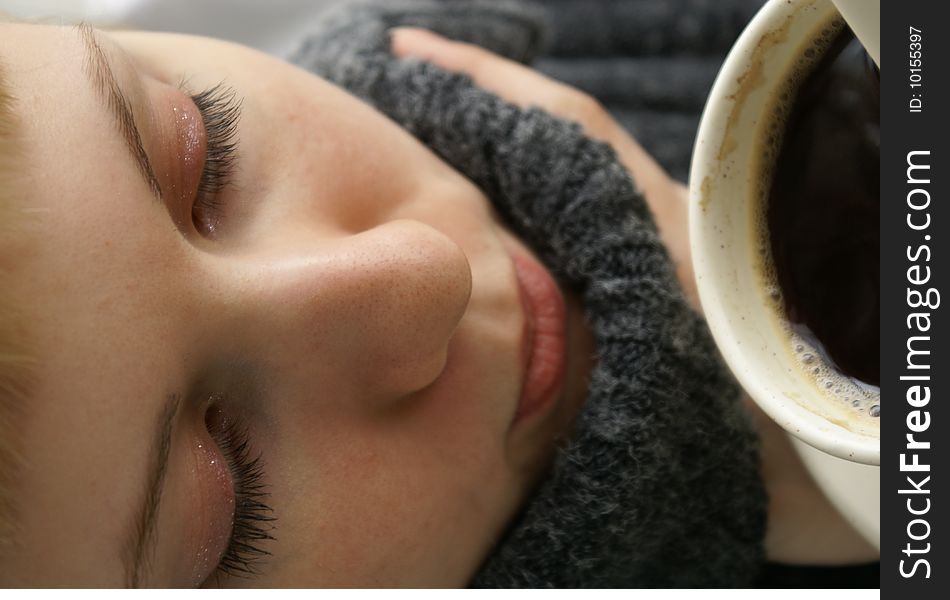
{"x": 822, "y": 216}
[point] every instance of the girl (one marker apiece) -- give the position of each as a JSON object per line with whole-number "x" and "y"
{"x": 256, "y": 333}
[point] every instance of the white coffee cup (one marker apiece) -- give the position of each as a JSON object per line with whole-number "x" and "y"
{"x": 725, "y": 188}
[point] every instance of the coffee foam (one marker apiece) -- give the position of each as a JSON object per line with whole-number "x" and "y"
{"x": 856, "y": 401}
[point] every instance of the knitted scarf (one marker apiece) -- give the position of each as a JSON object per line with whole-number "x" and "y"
{"x": 660, "y": 485}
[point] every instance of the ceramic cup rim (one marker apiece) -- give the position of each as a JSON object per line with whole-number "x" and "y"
{"x": 769, "y": 39}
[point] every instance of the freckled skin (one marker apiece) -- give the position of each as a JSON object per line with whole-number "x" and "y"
{"x": 356, "y": 311}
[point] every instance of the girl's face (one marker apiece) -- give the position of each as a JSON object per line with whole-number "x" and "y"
{"x": 274, "y": 332}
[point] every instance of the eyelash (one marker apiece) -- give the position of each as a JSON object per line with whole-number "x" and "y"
{"x": 220, "y": 110}
{"x": 253, "y": 518}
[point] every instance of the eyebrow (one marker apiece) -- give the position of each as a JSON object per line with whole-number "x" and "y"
{"x": 142, "y": 539}
{"x": 100, "y": 72}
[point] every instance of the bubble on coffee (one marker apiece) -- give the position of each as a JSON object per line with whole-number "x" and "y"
{"x": 812, "y": 357}
{"x": 816, "y": 218}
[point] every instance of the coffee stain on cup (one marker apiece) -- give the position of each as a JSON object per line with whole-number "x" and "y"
{"x": 750, "y": 80}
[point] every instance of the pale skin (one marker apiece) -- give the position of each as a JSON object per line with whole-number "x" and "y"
{"x": 385, "y": 428}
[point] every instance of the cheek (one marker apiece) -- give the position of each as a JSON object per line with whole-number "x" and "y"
{"x": 343, "y": 155}
{"x": 372, "y": 501}
{"x": 361, "y": 515}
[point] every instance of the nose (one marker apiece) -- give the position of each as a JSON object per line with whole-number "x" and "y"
{"x": 370, "y": 313}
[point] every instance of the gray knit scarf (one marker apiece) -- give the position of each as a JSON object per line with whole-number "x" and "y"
{"x": 660, "y": 486}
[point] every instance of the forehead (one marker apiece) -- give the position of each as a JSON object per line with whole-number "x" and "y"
{"x": 80, "y": 201}
{"x": 44, "y": 68}
{"x": 70, "y": 166}
{"x": 33, "y": 54}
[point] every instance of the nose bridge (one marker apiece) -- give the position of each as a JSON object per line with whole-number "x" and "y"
{"x": 380, "y": 305}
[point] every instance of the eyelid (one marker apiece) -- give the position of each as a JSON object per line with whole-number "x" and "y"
{"x": 216, "y": 507}
{"x": 186, "y": 156}
{"x": 220, "y": 110}
{"x": 253, "y": 518}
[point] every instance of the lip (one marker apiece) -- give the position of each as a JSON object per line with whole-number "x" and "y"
{"x": 544, "y": 340}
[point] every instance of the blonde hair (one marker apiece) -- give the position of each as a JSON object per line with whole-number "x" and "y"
{"x": 16, "y": 366}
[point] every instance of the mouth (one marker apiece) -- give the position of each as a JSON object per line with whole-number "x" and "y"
{"x": 544, "y": 339}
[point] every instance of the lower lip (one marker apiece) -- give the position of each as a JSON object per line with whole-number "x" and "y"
{"x": 544, "y": 341}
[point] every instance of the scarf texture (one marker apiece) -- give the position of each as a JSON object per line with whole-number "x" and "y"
{"x": 660, "y": 485}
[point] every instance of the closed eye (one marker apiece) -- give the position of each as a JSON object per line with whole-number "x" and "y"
{"x": 253, "y": 519}
{"x": 220, "y": 109}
